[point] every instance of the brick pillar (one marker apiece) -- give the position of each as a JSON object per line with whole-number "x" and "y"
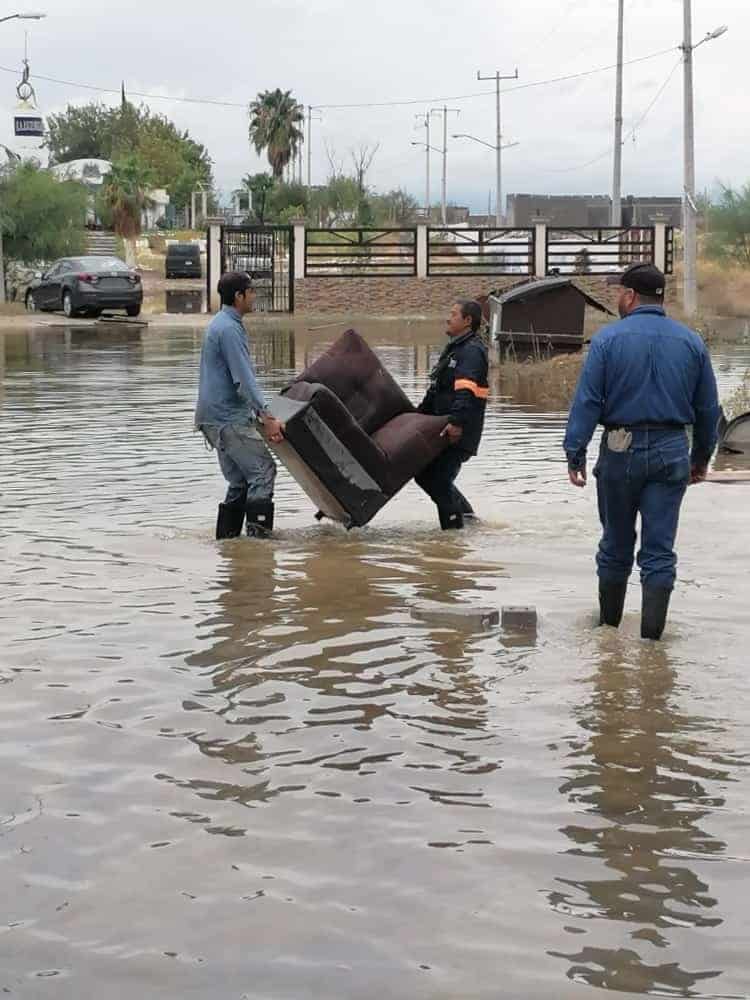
{"x": 213, "y": 261}
{"x": 299, "y": 248}
{"x": 660, "y": 241}
{"x": 422, "y": 237}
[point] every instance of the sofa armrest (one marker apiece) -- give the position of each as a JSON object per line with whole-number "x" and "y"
{"x": 410, "y": 442}
{"x": 341, "y": 423}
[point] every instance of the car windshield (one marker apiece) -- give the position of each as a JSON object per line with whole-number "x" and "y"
{"x": 100, "y": 264}
{"x": 182, "y": 249}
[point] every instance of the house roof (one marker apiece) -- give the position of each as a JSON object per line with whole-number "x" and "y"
{"x": 531, "y": 289}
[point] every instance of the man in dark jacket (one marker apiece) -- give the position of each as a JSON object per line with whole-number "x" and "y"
{"x": 646, "y": 379}
{"x": 459, "y": 390}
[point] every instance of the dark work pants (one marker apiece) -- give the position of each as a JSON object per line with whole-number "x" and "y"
{"x": 649, "y": 479}
{"x": 438, "y": 481}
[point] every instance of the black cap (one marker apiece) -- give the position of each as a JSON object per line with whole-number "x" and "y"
{"x": 646, "y": 279}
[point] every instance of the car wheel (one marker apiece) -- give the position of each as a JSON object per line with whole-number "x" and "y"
{"x": 133, "y": 310}
{"x": 30, "y": 302}
{"x": 68, "y": 305}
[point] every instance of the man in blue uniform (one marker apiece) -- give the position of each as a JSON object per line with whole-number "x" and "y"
{"x": 646, "y": 379}
{"x": 459, "y": 390}
{"x": 229, "y": 403}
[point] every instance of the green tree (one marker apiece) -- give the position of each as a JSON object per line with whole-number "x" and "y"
{"x": 275, "y": 119}
{"x": 124, "y": 195}
{"x": 81, "y": 133}
{"x": 42, "y": 218}
{"x": 174, "y": 159}
{"x": 396, "y": 208}
{"x": 285, "y": 197}
{"x": 260, "y": 187}
{"x": 729, "y": 220}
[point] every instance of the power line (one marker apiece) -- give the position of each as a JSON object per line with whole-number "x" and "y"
{"x": 505, "y": 90}
{"x": 631, "y": 133}
{"x": 215, "y": 102}
{"x": 135, "y": 93}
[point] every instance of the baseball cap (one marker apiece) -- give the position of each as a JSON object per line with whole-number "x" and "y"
{"x": 646, "y": 279}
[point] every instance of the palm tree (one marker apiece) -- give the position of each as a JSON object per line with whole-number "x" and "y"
{"x": 275, "y": 117}
{"x": 124, "y": 195}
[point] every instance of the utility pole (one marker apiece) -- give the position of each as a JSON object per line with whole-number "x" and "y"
{"x": 499, "y": 142}
{"x": 689, "y": 208}
{"x": 309, "y": 145}
{"x": 308, "y": 140}
{"x": 427, "y": 149}
{"x": 690, "y": 287}
{"x": 616, "y": 218}
{"x": 444, "y": 185}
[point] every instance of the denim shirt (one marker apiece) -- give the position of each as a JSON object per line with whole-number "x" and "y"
{"x": 645, "y": 369}
{"x": 228, "y": 392}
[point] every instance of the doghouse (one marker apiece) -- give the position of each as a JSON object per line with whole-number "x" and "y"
{"x": 541, "y": 316}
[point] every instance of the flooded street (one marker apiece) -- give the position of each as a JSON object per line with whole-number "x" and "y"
{"x": 250, "y": 770}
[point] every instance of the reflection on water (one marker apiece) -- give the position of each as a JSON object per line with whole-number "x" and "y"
{"x": 641, "y": 784}
{"x": 323, "y": 645}
{"x": 249, "y": 769}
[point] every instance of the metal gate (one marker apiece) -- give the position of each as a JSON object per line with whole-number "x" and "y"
{"x": 267, "y": 254}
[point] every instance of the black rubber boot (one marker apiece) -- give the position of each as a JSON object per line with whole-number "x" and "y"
{"x": 229, "y": 521}
{"x": 466, "y": 509}
{"x": 450, "y": 519}
{"x": 259, "y": 518}
{"x": 611, "y": 602}
{"x": 654, "y": 607}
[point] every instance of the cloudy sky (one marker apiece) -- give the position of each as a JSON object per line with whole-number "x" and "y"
{"x": 349, "y": 52}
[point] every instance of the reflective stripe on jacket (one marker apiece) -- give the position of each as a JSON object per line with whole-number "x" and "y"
{"x": 459, "y": 388}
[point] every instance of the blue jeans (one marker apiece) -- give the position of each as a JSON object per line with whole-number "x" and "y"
{"x": 649, "y": 479}
{"x": 245, "y": 462}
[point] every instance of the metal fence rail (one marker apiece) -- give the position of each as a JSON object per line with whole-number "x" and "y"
{"x": 602, "y": 250}
{"x": 267, "y": 254}
{"x": 360, "y": 252}
{"x": 454, "y": 252}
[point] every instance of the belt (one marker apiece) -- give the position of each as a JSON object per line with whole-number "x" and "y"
{"x": 644, "y": 427}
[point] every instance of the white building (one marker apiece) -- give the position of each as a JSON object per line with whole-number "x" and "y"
{"x": 92, "y": 173}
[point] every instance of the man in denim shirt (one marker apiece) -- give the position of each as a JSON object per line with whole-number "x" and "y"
{"x": 229, "y": 401}
{"x": 646, "y": 379}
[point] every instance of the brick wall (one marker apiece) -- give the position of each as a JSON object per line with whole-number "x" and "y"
{"x": 390, "y": 296}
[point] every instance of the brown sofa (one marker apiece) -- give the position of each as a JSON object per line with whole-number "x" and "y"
{"x": 352, "y": 438}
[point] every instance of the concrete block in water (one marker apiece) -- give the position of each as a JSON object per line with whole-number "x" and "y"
{"x": 519, "y": 617}
{"x": 456, "y": 615}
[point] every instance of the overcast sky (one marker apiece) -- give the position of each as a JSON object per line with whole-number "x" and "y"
{"x": 357, "y": 51}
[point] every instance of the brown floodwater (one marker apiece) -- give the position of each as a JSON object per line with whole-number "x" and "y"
{"x": 260, "y": 770}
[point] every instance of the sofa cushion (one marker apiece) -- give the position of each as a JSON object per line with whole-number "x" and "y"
{"x": 409, "y": 442}
{"x": 351, "y": 370}
{"x": 339, "y": 421}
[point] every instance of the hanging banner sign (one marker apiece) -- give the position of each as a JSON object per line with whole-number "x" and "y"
{"x": 29, "y": 125}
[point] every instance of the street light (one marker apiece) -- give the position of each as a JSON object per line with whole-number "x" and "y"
{"x": 29, "y": 16}
{"x": 689, "y": 212}
{"x": 497, "y": 148}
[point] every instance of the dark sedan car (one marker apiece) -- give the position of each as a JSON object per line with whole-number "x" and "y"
{"x": 79, "y": 285}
